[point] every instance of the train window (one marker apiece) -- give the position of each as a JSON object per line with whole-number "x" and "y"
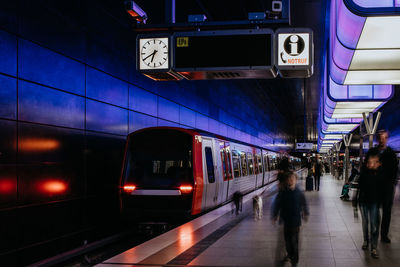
{"x": 223, "y": 161}
{"x": 256, "y": 167}
{"x": 210, "y": 165}
{"x": 259, "y": 163}
{"x": 271, "y": 163}
{"x": 251, "y": 163}
{"x": 153, "y": 162}
{"x": 265, "y": 163}
{"x": 236, "y": 163}
{"x": 243, "y": 161}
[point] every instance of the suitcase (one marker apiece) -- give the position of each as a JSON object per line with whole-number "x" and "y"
{"x": 353, "y": 191}
{"x": 309, "y": 183}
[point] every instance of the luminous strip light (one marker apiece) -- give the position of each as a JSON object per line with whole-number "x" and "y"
{"x": 380, "y": 32}
{"x": 375, "y": 3}
{"x": 388, "y": 59}
{"x": 333, "y": 136}
{"x": 342, "y": 103}
{"x": 340, "y": 128}
{"x": 373, "y": 77}
{"x": 329, "y": 141}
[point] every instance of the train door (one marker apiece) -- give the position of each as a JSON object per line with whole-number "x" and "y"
{"x": 266, "y": 169}
{"x": 259, "y": 168}
{"x": 219, "y": 175}
{"x": 226, "y": 170}
{"x": 210, "y": 172}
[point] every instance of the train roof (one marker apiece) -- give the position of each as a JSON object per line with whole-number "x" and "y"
{"x": 194, "y": 131}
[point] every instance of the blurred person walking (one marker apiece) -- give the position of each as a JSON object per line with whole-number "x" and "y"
{"x": 369, "y": 197}
{"x": 283, "y": 170}
{"x": 389, "y": 179}
{"x": 317, "y": 172}
{"x": 290, "y": 206}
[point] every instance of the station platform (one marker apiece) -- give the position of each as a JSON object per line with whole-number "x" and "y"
{"x": 331, "y": 237}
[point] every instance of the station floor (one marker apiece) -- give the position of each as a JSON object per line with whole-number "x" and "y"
{"x": 331, "y": 237}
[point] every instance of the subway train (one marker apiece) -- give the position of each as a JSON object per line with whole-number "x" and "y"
{"x": 172, "y": 171}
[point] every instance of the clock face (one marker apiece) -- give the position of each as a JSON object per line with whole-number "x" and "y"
{"x": 153, "y": 53}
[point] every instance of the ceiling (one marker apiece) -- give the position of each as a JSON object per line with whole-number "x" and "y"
{"x": 282, "y": 93}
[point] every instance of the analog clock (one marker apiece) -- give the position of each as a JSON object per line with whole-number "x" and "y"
{"x": 153, "y": 53}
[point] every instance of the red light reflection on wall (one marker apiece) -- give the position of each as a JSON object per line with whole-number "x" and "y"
{"x": 38, "y": 144}
{"x": 7, "y": 186}
{"x": 53, "y": 186}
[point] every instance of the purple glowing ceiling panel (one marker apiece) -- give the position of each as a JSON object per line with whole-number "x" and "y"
{"x": 348, "y": 25}
{"x": 342, "y": 120}
{"x": 377, "y": 3}
{"x": 341, "y": 56}
{"x": 337, "y": 74}
{"x": 353, "y": 100}
{"x": 338, "y": 93}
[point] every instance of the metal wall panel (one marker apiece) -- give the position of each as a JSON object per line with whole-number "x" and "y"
{"x": 45, "y": 105}
{"x": 41, "y": 65}
{"x": 139, "y": 121}
{"x": 8, "y": 97}
{"x": 106, "y": 118}
{"x": 142, "y": 101}
{"x": 187, "y": 117}
{"x": 8, "y": 53}
{"x": 168, "y": 110}
{"x": 8, "y": 159}
{"x": 104, "y": 87}
{"x": 51, "y": 163}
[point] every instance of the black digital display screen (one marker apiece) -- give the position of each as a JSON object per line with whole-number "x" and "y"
{"x": 214, "y": 51}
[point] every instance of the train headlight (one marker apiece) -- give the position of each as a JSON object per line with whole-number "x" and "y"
{"x": 186, "y": 189}
{"x": 129, "y": 188}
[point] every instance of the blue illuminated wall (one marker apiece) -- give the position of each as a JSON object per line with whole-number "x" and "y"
{"x": 69, "y": 95}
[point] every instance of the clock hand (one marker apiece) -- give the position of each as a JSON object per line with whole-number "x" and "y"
{"x": 155, "y": 51}
{"x": 152, "y": 54}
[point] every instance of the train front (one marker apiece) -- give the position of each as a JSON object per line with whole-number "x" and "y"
{"x": 157, "y": 177}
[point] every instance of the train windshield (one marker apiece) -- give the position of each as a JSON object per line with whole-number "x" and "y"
{"x": 159, "y": 159}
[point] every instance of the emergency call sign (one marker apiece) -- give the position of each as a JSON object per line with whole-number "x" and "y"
{"x": 293, "y": 49}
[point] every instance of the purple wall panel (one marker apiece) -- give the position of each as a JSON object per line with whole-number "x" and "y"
{"x": 106, "y": 118}
{"x": 104, "y": 87}
{"x": 201, "y": 122}
{"x": 41, "y": 65}
{"x": 213, "y": 126}
{"x": 139, "y": 121}
{"x": 8, "y": 97}
{"x": 161, "y": 122}
{"x": 187, "y": 117}
{"x": 45, "y": 105}
{"x": 168, "y": 110}
{"x": 223, "y": 129}
{"x": 8, "y": 53}
{"x": 142, "y": 101}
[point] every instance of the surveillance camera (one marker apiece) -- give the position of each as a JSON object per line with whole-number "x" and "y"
{"x": 135, "y": 11}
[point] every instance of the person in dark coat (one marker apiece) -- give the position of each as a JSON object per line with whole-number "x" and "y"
{"x": 290, "y": 205}
{"x": 389, "y": 179}
{"x": 369, "y": 197}
{"x": 317, "y": 172}
{"x": 283, "y": 169}
{"x": 353, "y": 173}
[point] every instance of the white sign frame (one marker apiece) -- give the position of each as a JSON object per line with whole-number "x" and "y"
{"x": 294, "y": 42}
{"x": 294, "y": 67}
